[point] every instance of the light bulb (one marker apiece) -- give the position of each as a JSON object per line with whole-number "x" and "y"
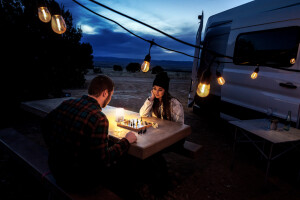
{"x": 44, "y": 14}
{"x": 58, "y": 24}
{"x": 292, "y": 61}
{"x": 254, "y": 75}
{"x": 203, "y": 90}
{"x": 145, "y": 66}
{"x": 221, "y": 80}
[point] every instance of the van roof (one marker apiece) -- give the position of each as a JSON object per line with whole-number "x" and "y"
{"x": 256, "y": 6}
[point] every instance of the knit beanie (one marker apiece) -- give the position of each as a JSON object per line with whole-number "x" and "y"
{"x": 162, "y": 80}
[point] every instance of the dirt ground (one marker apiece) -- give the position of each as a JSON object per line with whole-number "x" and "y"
{"x": 209, "y": 176}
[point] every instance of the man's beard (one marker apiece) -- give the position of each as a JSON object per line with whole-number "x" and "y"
{"x": 106, "y": 101}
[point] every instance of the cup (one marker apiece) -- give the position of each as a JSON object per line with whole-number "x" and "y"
{"x": 273, "y": 125}
{"x": 119, "y": 114}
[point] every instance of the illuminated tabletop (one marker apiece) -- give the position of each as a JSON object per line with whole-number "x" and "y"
{"x": 149, "y": 143}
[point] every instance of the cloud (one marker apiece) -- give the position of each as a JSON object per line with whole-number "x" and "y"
{"x": 117, "y": 44}
{"x": 86, "y": 29}
{"x": 175, "y": 17}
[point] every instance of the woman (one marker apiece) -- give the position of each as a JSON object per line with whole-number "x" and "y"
{"x": 161, "y": 104}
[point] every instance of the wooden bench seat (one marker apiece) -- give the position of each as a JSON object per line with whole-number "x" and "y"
{"x": 189, "y": 149}
{"x": 35, "y": 159}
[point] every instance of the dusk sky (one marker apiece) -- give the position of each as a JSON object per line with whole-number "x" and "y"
{"x": 178, "y": 18}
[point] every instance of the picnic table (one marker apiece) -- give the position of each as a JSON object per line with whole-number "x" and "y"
{"x": 149, "y": 143}
{"x": 257, "y": 132}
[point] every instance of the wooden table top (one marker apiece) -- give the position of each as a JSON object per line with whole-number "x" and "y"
{"x": 260, "y": 128}
{"x": 153, "y": 141}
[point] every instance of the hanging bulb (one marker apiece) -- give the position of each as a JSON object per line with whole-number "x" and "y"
{"x": 255, "y": 73}
{"x": 146, "y": 64}
{"x": 204, "y": 85}
{"x": 220, "y": 79}
{"x": 44, "y": 14}
{"x": 203, "y": 89}
{"x": 58, "y": 24}
{"x": 292, "y": 61}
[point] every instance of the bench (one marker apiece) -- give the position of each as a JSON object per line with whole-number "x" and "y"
{"x": 35, "y": 159}
{"x": 189, "y": 149}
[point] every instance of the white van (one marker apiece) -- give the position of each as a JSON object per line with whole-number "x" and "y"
{"x": 264, "y": 33}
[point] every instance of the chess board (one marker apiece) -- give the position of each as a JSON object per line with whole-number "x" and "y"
{"x": 134, "y": 124}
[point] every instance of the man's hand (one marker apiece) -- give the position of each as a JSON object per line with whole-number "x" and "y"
{"x": 130, "y": 136}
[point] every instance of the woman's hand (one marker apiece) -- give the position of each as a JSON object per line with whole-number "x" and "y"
{"x": 152, "y": 97}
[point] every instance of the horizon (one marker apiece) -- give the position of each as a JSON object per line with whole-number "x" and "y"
{"x": 167, "y": 65}
{"x": 112, "y": 57}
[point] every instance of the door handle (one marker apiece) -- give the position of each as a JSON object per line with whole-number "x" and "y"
{"x": 288, "y": 85}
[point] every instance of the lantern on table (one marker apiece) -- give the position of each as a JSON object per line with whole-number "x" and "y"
{"x": 119, "y": 114}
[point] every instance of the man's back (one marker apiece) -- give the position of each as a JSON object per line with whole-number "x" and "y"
{"x": 76, "y": 134}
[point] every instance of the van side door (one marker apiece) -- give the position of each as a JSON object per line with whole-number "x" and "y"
{"x": 270, "y": 42}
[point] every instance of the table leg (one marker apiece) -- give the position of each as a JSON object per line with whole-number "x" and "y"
{"x": 263, "y": 150}
{"x": 269, "y": 162}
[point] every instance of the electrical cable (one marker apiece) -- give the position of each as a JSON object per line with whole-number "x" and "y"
{"x": 176, "y": 39}
{"x": 170, "y": 36}
{"x": 280, "y": 68}
{"x": 151, "y": 42}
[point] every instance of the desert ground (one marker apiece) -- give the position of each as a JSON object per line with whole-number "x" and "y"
{"x": 209, "y": 176}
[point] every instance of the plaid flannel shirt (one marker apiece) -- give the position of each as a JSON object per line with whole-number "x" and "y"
{"x": 76, "y": 133}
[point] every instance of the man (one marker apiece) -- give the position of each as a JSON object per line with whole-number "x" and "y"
{"x": 76, "y": 133}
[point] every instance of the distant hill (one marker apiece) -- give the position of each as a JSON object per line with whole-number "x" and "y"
{"x": 168, "y": 65}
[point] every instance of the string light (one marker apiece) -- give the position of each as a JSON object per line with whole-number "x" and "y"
{"x": 131, "y": 31}
{"x": 220, "y": 79}
{"x": 44, "y": 14}
{"x": 255, "y": 73}
{"x": 292, "y": 61}
{"x": 204, "y": 85}
{"x": 146, "y": 64}
{"x": 58, "y": 23}
{"x": 200, "y": 47}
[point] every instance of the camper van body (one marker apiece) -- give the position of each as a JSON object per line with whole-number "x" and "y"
{"x": 272, "y": 28}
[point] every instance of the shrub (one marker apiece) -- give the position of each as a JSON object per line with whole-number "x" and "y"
{"x": 157, "y": 69}
{"x": 117, "y": 68}
{"x": 133, "y": 67}
{"x": 97, "y": 70}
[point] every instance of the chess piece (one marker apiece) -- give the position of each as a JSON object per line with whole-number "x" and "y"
{"x": 287, "y": 124}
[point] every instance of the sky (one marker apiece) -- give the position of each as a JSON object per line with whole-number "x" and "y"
{"x": 178, "y": 18}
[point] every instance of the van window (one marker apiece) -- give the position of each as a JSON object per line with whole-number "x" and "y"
{"x": 275, "y": 47}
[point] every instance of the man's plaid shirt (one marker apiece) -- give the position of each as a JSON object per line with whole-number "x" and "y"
{"x": 76, "y": 133}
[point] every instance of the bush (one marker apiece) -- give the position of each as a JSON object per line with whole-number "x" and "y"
{"x": 97, "y": 70}
{"x": 133, "y": 67}
{"x": 157, "y": 69}
{"x": 117, "y": 68}
{"x": 54, "y": 62}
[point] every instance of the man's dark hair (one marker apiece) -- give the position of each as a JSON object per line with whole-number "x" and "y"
{"x": 99, "y": 84}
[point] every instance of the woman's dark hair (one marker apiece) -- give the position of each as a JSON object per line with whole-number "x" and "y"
{"x": 166, "y": 101}
{"x": 99, "y": 84}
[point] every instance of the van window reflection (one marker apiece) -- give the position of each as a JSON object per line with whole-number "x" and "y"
{"x": 275, "y": 47}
